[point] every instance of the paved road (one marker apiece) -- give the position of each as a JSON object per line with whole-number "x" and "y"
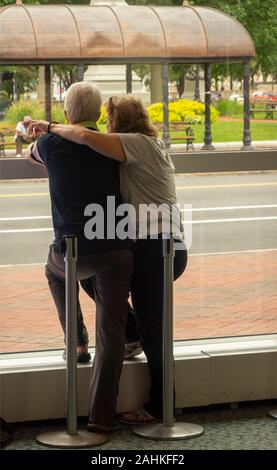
{"x": 249, "y": 200}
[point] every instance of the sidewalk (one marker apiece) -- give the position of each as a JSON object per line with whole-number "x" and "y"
{"x": 218, "y": 295}
{"x": 258, "y": 144}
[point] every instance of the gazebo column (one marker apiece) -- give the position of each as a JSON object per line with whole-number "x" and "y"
{"x": 208, "y": 133}
{"x": 128, "y": 78}
{"x": 80, "y": 72}
{"x": 197, "y": 84}
{"x": 47, "y": 80}
{"x": 246, "y": 107}
{"x": 165, "y": 80}
{"x": 41, "y": 84}
{"x": 156, "y": 83}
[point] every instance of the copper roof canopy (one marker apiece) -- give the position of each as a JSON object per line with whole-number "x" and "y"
{"x": 40, "y": 34}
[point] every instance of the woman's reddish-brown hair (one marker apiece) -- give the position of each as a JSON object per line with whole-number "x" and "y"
{"x": 127, "y": 114}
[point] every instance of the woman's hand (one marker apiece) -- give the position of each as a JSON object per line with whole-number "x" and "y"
{"x": 106, "y": 144}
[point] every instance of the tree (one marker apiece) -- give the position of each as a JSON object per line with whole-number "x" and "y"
{"x": 176, "y": 72}
{"x": 68, "y": 74}
{"x": 45, "y": 2}
{"x": 155, "y": 2}
{"x": 260, "y": 21}
{"x": 26, "y": 77}
{"x": 17, "y": 80}
{"x": 179, "y": 74}
{"x": 259, "y": 18}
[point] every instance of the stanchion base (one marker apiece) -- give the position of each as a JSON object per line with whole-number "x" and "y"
{"x": 160, "y": 432}
{"x": 273, "y": 413}
{"x": 62, "y": 440}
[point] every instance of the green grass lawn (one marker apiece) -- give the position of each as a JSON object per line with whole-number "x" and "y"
{"x": 233, "y": 131}
{"x": 224, "y": 131}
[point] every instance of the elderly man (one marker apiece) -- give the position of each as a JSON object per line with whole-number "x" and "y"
{"x": 78, "y": 177}
{"x": 21, "y": 135}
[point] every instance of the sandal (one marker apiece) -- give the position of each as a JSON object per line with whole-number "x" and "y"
{"x": 140, "y": 416}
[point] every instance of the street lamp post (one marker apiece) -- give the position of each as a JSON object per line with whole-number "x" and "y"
{"x": 247, "y": 141}
{"x": 208, "y": 133}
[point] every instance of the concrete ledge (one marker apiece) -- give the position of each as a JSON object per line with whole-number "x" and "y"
{"x": 33, "y": 384}
{"x": 185, "y": 162}
{"x": 20, "y": 168}
{"x": 204, "y": 162}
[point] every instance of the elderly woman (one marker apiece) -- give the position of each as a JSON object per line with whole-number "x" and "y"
{"x": 147, "y": 177}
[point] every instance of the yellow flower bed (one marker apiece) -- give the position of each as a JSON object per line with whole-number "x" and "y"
{"x": 182, "y": 110}
{"x": 103, "y": 116}
{"x": 179, "y": 111}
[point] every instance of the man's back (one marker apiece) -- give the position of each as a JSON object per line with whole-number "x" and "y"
{"x": 78, "y": 176}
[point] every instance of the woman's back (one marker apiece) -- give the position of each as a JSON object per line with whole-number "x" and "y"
{"x": 147, "y": 176}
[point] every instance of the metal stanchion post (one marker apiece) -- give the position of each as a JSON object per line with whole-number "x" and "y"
{"x": 71, "y": 437}
{"x": 273, "y": 413}
{"x": 169, "y": 429}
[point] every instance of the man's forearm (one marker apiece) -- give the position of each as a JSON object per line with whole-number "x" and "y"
{"x": 29, "y": 156}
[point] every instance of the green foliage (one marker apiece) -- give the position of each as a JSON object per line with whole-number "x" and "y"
{"x": 233, "y": 71}
{"x": 233, "y": 131}
{"x": 22, "y": 108}
{"x": 142, "y": 70}
{"x": 45, "y": 2}
{"x": 19, "y": 79}
{"x": 4, "y": 94}
{"x": 259, "y": 18}
{"x": 179, "y": 111}
{"x": 155, "y": 2}
{"x": 58, "y": 114}
{"x": 35, "y": 109}
{"x": 68, "y": 74}
{"x": 182, "y": 110}
{"x": 229, "y": 108}
{"x": 177, "y": 74}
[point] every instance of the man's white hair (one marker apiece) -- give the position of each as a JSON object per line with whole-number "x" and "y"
{"x": 82, "y": 102}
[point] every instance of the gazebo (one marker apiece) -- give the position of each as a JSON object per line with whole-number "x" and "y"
{"x": 115, "y": 33}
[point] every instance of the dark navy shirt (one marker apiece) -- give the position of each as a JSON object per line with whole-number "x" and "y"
{"x": 78, "y": 176}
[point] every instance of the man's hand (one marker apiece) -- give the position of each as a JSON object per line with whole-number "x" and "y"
{"x": 30, "y": 138}
{"x": 36, "y": 128}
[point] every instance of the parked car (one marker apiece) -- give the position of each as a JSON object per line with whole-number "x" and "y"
{"x": 264, "y": 96}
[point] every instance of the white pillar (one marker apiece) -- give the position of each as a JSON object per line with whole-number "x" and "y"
{"x": 41, "y": 84}
{"x": 156, "y": 84}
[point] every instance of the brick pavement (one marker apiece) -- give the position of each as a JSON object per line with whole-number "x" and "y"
{"x": 218, "y": 295}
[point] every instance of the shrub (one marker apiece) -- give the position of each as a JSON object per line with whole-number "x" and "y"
{"x": 35, "y": 109}
{"x": 18, "y": 110}
{"x": 58, "y": 114}
{"x": 179, "y": 111}
{"x": 4, "y": 94}
{"x": 182, "y": 110}
{"x": 229, "y": 108}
